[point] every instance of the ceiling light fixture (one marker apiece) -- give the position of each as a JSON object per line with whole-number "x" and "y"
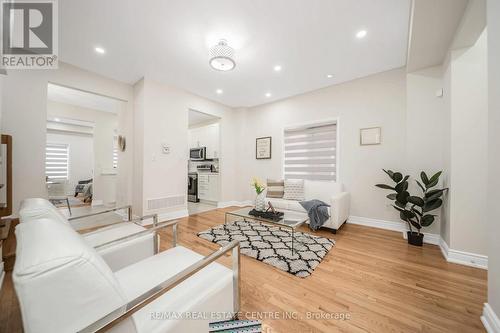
{"x": 268, "y": 94}
{"x": 361, "y": 34}
{"x": 57, "y": 119}
{"x": 100, "y": 50}
{"x": 221, "y": 56}
{"x": 329, "y": 76}
{"x": 277, "y": 68}
{"x": 219, "y": 91}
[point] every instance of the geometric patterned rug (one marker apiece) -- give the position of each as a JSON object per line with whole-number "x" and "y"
{"x": 273, "y": 245}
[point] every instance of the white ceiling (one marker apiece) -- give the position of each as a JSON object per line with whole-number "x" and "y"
{"x": 168, "y": 41}
{"x": 197, "y": 118}
{"x": 83, "y": 99}
{"x": 434, "y": 26}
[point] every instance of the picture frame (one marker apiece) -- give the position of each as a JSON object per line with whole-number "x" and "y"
{"x": 263, "y": 147}
{"x": 370, "y": 136}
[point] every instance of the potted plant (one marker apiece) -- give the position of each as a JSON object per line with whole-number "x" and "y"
{"x": 415, "y": 210}
{"x": 260, "y": 199}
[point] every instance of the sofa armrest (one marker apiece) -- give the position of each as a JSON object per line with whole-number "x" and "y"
{"x": 340, "y": 208}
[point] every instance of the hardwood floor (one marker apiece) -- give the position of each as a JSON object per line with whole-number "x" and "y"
{"x": 371, "y": 275}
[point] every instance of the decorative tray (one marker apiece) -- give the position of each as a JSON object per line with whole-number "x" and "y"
{"x": 267, "y": 215}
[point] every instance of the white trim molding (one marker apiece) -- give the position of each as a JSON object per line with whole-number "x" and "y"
{"x": 462, "y": 257}
{"x": 490, "y": 319}
{"x": 224, "y": 204}
{"x": 451, "y": 255}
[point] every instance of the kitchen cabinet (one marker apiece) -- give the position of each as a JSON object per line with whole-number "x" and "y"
{"x": 206, "y": 136}
{"x": 208, "y": 187}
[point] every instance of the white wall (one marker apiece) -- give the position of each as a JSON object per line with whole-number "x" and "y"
{"x": 425, "y": 119}
{"x": 161, "y": 116}
{"x": 377, "y": 100}
{"x": 493, "y": 211}
{"x": 468, "y": 150}
{"x": 24, "y": 117}
{"x": 81, "y": 156}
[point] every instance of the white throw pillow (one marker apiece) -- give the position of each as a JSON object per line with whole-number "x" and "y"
{"x": 294, "y": 189}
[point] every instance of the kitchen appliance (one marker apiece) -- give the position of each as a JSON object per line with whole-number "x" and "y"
{"x": 193, "y": 187}
{"x": 204, "y": 167}
{"x": 197, "y": 154}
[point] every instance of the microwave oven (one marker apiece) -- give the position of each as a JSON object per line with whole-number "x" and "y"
{"x": 197, "y": 154}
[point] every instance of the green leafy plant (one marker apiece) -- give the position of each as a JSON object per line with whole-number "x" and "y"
{"x": 415, "y": 210}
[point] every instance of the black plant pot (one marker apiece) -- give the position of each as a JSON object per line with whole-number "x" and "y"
{"x": 414, "y": 238}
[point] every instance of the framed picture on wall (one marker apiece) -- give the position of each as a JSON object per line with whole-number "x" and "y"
{"x": 370, "y": 136}
{"x": 263, "y": 148}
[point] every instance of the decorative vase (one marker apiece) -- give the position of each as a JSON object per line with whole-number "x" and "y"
{"x": 414, "y": 238}
{"x": 260, "y": 202}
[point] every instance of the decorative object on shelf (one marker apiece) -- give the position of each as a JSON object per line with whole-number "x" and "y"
{"x": 222, "y": 56}
{"x": 260, "y": 199}
{"x": 415, "y": 210}
{"x": 370, "y": 136}
{"x": 263, "y": 148}
{"x": 122, "y": 142}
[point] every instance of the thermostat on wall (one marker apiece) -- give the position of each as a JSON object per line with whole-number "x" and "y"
{"x": 165, "y": 148}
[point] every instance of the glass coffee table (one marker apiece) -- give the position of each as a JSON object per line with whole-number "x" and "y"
{"x": 291, "y": 220}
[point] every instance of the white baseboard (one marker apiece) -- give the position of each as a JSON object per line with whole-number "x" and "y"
{"x": 224, "y": 204}
{"x": 451, "y": 255}
{"x": 490, "y": 319}
{"x": 462, "y": 257}
{"x": 97, "y": 203}
{"x": 177, "y": 214}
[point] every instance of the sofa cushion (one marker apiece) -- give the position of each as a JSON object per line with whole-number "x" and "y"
{"x": 207, "y": 291}
{"x": 135, "y": 249}
{"x": 275, "y": 188}
{"x": 294, "y": 189}
{"x": 277, "y": 203}
{"x": 321, "y": 190}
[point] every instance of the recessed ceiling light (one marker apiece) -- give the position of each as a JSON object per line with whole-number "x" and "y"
{"x": 219, "y": 91}
{"x": 57, "y": 119}
{"x": 277, "y": 68}
{"x": 100, "y": 50}
{"x": 361, "y": 34}
{"x": 268, "y": 94}
{"x": 329, "y": 76}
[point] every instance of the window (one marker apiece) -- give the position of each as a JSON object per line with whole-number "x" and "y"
{"x": 311, "y": 152}
{"x": 57, "y": 161}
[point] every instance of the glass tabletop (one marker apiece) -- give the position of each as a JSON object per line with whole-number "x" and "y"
{"x": 291, "y": 219}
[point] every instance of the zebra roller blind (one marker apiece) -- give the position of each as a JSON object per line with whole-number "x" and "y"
{"x": 311, "y": 152}
{"x": 57, "y": 161}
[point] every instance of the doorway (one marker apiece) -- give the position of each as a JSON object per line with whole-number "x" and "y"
{"x": 204, "y": 162}
{"x": 81, "y": 161}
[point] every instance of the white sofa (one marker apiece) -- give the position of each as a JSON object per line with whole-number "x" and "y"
{"x": 117, "y": 256}
{"x": 64, "y": 285}
{"x": 329, "y": 192}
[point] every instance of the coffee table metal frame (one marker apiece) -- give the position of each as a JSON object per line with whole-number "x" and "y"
{"x": 291, "y": 220}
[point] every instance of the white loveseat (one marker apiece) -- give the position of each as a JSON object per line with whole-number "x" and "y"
{"x": 64, "y": 285}
{"x": 329, "y": 192}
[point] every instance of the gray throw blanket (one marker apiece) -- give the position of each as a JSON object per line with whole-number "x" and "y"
{"x": 317, "y": 211}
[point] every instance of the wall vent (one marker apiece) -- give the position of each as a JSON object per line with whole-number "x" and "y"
{"x": 167, "y": 202}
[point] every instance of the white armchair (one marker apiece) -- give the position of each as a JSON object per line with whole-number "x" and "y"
{"x": 64, "y": 285}
{"x": 116, "y": 256}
